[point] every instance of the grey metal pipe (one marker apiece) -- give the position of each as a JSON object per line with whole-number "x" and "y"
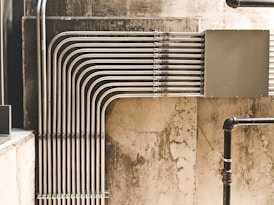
{"x": 102, "y": 133}
{"x": 66, "y": 60}
{"x": 121, "y": 84}
{"x": 250, "y": 3}
{"x": 198, "y": 73}
{"x": 89, "y": 91}
{"x": 41, "y": 117}
{"x": 77, "y": 127}
{"x": 69, "y": 92}
{"x": 40, "y": 136}
{"x": 66, "y": 40}
{"x": 54, "y": 107}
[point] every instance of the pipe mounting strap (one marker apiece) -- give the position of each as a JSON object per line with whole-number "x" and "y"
{"x": 227, "y": 160}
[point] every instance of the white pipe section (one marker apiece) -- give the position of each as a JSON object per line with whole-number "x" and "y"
{"x": 40, "y": 135}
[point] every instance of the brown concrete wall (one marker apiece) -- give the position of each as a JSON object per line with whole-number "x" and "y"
{"x": 166, "y": 151}
{"x": 151, "y": 151}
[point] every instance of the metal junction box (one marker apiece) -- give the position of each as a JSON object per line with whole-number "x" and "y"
{"x": 236, "y": 63}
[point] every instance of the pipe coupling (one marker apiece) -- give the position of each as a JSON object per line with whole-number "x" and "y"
{"x": 227, "y": 176}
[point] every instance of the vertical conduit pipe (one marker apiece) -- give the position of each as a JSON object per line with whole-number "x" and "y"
{"x": 102, "y": 120}
{"x": 228, "y": 125}
{"x": 53, "y": 129}
{"x": 40, "y": 136}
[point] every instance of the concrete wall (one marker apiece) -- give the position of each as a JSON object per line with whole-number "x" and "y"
{"x": 166, "y": 151}
{"x": 17, "y": 159}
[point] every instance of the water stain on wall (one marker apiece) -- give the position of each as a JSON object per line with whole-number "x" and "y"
{"x": 151, "y": 155}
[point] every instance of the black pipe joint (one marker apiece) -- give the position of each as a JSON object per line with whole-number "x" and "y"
{"x": 227, "y": 177}
{"x": 233, "y": 3}
{"x": 230, "y": 123}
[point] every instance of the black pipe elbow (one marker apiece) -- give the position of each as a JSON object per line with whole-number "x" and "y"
{"x": 233, "y": 3}
{"x": 229, "y": 123}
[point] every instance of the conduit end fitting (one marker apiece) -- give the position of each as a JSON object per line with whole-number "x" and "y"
{"x": 229, "y": 123}
{"x": 233, "y": 3}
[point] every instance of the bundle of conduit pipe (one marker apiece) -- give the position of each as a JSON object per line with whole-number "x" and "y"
{"x": 79, "y": 74}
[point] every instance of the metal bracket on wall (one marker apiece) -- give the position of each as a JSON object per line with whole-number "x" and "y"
{"x": 5, "y": 120}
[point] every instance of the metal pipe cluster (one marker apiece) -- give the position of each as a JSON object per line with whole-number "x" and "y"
{"x": 87, "y": 70}
{"x": 79, "y": 74}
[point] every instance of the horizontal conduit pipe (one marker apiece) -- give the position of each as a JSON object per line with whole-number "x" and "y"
{"x": 102, "y": 133}
{"x": 250, "y": 3}
{"x": 72, "y": 69}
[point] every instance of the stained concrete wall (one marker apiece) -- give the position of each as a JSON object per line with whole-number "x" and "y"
{"x": 166, "y": 151}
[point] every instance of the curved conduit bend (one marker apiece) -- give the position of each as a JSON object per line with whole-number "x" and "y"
{"x": 78, "y": 97}
{"x": 85, "y": 71}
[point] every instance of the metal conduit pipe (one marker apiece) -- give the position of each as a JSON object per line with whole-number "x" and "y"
{"x": 127, "y": 61}
{"x": 49, "y": 55}
{"x": 66, "y": 62}
{"x": 40, "y": 137}
{"x": 49, "y": 125}
{"x": 250, "y": 3}
{"x": 98, "y": 82}
{"x": 110, "y": 78}
{"x": 79, "y": 39}
{"x": 78, "y": 103}
{"x": 121, "y": 84}
{"x": 86, "y": 39}
{"x": 60, "y": 61}
{"x": 69, "y": 92}
{"x": 101, "y": 61}
{"x": 73, "y": 81}
{"x": 111, "y": 71}
{"x": 41, "y": 56}
{"x": 102, "y": 133}
{"x": 99, "y": 175}
{"x": 228, "y": 126}
{"x": 78, "y": 154}
{"x": 73, "y": 98}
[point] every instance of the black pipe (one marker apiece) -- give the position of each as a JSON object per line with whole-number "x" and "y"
{"x": 229, "y": 124}
{"x": 250, "y": 3}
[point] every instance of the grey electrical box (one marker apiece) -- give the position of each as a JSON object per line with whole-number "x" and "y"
{"x": 236, "y": 63}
